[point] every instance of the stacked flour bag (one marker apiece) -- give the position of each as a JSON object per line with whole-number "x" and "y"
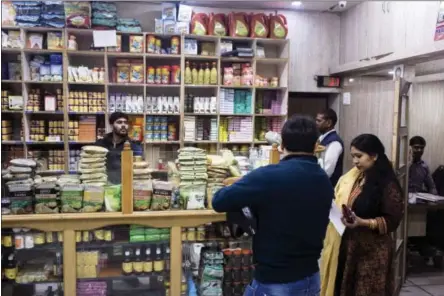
{"x": 193, "y": 178}
{"x": 94, "y": 177}
{"x": 19, "y": 183}
{"x": 104, "y": 15}
{"x": 218, "y": 171}
{"x": 27, "y": 13}
{"x": 53, "y": 14}
{"x": 142, "y": 185}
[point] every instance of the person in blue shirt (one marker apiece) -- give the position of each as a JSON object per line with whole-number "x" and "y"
{"x": 291, "y": 201}
{"x": 114, "y": 142}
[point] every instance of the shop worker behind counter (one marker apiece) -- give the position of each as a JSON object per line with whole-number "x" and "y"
{"x": 291, "y": 201}
{"x": 332, "y": 158}
{"x": 114, "y": 142}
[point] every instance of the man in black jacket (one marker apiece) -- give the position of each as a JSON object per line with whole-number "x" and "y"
{"x": 291, "y": 201}
{"x": 114, "y": 142}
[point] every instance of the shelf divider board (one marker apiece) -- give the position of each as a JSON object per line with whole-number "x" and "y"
{"x": 182, "y": 96}
{"x": 176, "y": 260}
{"x": 69, "y": 263}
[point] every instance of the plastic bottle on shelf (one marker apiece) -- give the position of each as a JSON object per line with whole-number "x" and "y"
{"x": 127, "y": 265}
{"x": 159, "y": 263}
{"x": 148, "y": 261}
{"x": 11, "y": 268}
{"x": 188, "y": 75}
{"x": 201, "y": 74}
{"x": 194, "y": 74}
{"x": 207, "y": 74}
{"x": 138, "y": 264}
{"x": 213, "y": 74}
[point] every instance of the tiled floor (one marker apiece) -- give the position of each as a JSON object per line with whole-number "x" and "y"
{"x": 424, "y": 284}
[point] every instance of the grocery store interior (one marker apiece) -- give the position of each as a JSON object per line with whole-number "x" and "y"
{"x": 213, "y": 75}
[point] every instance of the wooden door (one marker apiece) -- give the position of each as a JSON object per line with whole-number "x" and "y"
{"x": 400, "y": 163}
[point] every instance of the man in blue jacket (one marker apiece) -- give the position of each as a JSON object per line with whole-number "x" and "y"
{"x": 291, "y": 202}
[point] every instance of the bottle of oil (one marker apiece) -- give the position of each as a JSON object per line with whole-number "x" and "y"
{"x": 207, "y": 74}
{"x": 194, "y": 74}
{"x": 127, "y": 265}
{"x": 148, "y": 261}
{"x": 158, "y": 261}
{"x": 188, "y": 76}
{"x": 11, "y": 268}
{"x": 213, "y": 75}
{"x": 137, "y": 263}
{"x": 201, "y": 74}
{"x": 167, "y": 258}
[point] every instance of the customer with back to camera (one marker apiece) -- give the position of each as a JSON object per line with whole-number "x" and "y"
{"x": 332, "y": 158}
{"x": 114, "y": 142}
{"x": 291, "y": 201}
{"x": 360, "y": 262}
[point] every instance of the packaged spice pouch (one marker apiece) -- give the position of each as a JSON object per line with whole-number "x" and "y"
{"x": 78, "y": 14}
{"x": 71, "y": 197}
{"x": 238, "y": 24}
{"x": 217, "y": 25}
{"x": 113, "y": 198}
{"x": 35, "y": 41}
{"x": 20, "y": 199}
{"x": 278, "y": 26}
{"x": 193, "y": 197}
{"x": 185, "y": 13}
{"x": 182, "y": 28}
{"x": 259, "y": 25}
{"x": 158, "y": 26}
{"x": 136, "y": 73}
{"x": 93, "y": 198}
{"x": 142, "y": 195}
{"x": 136, "y": 43}
{"x": 162, "y": 192}
{"x": 55, "y": 40}
{"x": 46, "y": 198}
{"x": 169, "y": 11}
{"x": 199, "y": 24}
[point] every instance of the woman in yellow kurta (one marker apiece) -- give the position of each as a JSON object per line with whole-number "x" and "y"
{"x": 360, "y": 262}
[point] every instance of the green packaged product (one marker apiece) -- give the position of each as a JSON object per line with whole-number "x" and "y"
{"x": 152, "y": 237}
{"x": 93, "y": 198}
{"x": 137, "y": 238}
{"x": 71, "y": 198}
{"x": 151, "y": 231}
{"x": 113, "y": 198}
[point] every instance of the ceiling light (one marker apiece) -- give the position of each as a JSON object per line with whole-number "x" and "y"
{"x": 296, "y": 3}
{"x": 351, "y": 79}
{"x": 391, "y": 72}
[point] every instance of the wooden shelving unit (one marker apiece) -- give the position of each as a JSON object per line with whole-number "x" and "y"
{"x": 275, "y": 64}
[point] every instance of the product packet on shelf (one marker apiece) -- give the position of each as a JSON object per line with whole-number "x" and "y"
{"x": 113, "y": 198}
{"x": 46, "y": 198}
{"x": 71, "y": 198}
{"x": 93, "y": 198}
{"x": 142, "y": 194}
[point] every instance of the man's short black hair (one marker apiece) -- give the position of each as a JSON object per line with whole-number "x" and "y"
{"x": 117, "y": 115}
{"x": 417, "y": 140}
{"x": 299, "y": 134}
{"x": 330, "y": 114}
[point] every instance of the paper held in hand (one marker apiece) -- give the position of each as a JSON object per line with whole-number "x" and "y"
{"x": 335, "y": 218}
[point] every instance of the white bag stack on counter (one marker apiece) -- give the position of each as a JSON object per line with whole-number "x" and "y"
{"x": 93, "y": 165}
{"x": 193, "y": 177}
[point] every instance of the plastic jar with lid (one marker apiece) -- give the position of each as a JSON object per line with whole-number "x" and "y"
{"x": 29, "y": 241}
{"x": 39, "y": 238}
{"x": 200, "y": 233}
{"x": 191, "y": 234}
{"x": 19, "y": 241}
{"x": 165, "y": 78}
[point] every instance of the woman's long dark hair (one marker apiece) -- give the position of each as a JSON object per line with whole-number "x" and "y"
{"x": 376, "y": 178}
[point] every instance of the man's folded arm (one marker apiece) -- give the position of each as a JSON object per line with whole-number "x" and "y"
{"x": 250, "y": 191}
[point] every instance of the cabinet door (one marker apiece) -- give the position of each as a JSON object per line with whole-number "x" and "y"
{"x": 380, "y": 29}
{"x": 353, "y": 39}
{"x": 420, "y": 24}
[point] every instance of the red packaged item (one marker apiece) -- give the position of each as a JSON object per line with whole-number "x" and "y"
{"x": 175, "y": 74}
{"x": 278, "y": 26}
{"x": 217, "y": 25}
{"x": 259, "y": 25}
{"x": 238, "y": 24}
{"x": 199, "y": 24}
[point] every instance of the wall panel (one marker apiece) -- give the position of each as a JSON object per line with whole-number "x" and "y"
{"x": 370, "y": 111}
{"x": 426, "y": 117}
